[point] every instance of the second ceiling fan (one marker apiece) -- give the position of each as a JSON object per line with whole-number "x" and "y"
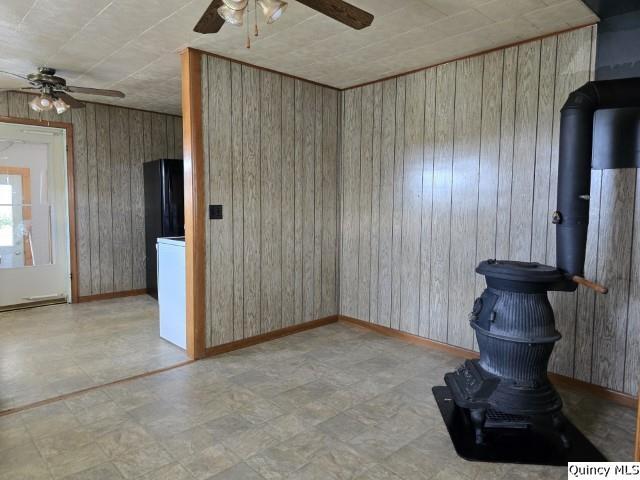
{"x": 233, "y": 12}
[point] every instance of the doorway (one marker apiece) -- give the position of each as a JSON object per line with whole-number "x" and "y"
{"x": 35, "y": 265}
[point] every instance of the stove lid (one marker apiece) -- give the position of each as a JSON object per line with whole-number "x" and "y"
{"x": 528, "y": 272}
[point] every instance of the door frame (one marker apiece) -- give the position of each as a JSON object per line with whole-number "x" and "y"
{"x": 194, "y": 207}
{"x": 71, "y": 193}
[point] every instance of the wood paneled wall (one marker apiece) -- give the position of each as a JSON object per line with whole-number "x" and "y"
{"x": 110, "y": 146}
{"x": 456, "y": 164}
{"x": 271, "y": 155}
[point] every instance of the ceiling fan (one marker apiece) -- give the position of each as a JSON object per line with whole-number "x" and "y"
{"x": 220, "y": 12}
{"x": 54, "y": 91}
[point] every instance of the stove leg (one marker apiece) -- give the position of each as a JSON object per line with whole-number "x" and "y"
{"x": 478, "y": 417}
{"x": 560, "y": 424}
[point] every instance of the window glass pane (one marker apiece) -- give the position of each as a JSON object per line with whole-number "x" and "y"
{"x": 25, "y": 211}
{"x": 6, "y": 217}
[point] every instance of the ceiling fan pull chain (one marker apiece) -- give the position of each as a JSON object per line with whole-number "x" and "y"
{"x": 255, "y": 17}
{"x": 248, "y": 45}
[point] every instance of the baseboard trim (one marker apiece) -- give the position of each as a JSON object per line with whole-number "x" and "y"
{"x": 110, "y": 295}
{"x": 265, "y": 337}
{"x": 40, "y": 303}
{"x": 619, "y": 398}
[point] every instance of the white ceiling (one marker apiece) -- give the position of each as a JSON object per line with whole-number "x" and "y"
{"x": 133, "y": 45}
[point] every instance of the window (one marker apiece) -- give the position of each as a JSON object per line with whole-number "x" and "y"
{"x": 6, "y": 216}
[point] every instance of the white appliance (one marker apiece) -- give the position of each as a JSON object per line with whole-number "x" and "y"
{"x": 172, "y": 290}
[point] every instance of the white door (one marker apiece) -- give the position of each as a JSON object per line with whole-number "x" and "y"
{"x": 34, "y": 217}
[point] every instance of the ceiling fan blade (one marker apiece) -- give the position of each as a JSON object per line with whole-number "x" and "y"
{"x": 210, "y": 22}
{"x": 14, "y": 75}
{"x": 69, "y": 100}
{"x": 343, "y": 12}
{"x": 95, "y": 91}
{"x": 19, "y": 89}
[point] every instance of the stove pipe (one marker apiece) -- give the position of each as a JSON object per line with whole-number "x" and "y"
{"x": 574, "y": 165}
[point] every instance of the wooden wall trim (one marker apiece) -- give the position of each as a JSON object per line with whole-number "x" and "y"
{"x": 473, "y": 55}
{"x": 110, "y": 295}
{"x": 194, "y": 208}
{"x": 636, "y": 455}
{"x": 265, "y": 69}
{"x": 266, "y": 337}
{"x": 395, "y": 75}
{"x": 68, "y": 127}
{"x": 619, "y": 398}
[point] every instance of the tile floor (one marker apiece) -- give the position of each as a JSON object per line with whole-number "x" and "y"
{"x": 49, "y": 351}
{"x": 332, "y": 403}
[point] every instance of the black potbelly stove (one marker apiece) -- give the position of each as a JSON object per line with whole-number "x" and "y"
{"x": 502, "y": 406}
{"x": 515, "y": 328}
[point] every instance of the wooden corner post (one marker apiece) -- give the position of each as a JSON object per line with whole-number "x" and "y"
{"x": 194, "y": 207}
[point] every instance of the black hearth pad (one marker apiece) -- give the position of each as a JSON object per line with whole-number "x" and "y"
{"x": 512, "y": 445}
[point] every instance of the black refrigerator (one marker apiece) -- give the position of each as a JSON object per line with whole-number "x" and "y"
{"x": 163, "y": 210}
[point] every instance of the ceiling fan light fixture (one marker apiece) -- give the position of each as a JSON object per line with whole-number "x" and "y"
{"x": 236, "y": 4}
{"x": 60, "y": 106}
{"x": 234, "y": 17}
{"x": 272, "y": 9}
{"x": 42, "y": 103}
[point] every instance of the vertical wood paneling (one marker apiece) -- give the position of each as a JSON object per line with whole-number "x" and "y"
{"x": 364, "y": 202}
{"x": 252, "y": 189}
{"x": 4, "y": 104}
{"x": 614, "y": 244}
{"x": 398, "y": 187}
{"x": 136, "y": 152}
{"x": 441, "y": 216}
{"x": 159, "y": 136}
{"x": 632, "y": 350}
{"x": 546, "y": 114}
{"x": 375, "y": 201}
{"x": 19, "y": 105}
{"x": 427, "y": 201}
{"x": 489, "y": 179}
{"x": 271, "y": 201}
{"x": 238, "y": 200}
{"x": 414, "y": 113}
{"x": 288, "y": 201}
{"x": 94, "y": 200}
{"x": 387, "y": 152}
{"x": 171, "y": 138}
{"x": 148, "y": 136}
{"x": 121, "y": 198}
{"x": 329, "y": 200}
{"x": 507, "y": 132}
{"x": 464, "y": 198}
{"x": 81, "y": 183}
{"x": 489, "y": 161}
{"x": 350, "y": 203}
{"x": 524, "y": 156}
{"x": 220, "y": 190}
{"x": 105, "y": 218}
{"x": 308, "y": 201}
{"x": 317, "y": 211}
{"x": 272, "y": 148}
{"x": 206, "y": 150}
{"x": 298, "y": 202}
{"x": 177, "y": 132}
